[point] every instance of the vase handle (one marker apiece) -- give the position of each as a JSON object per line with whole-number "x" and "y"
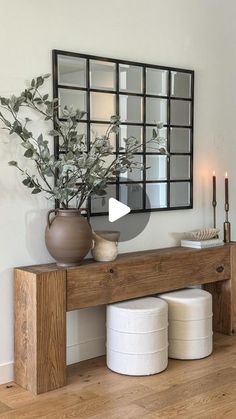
{"x": 49, "y": 222}
{"x": 86, "y": 211}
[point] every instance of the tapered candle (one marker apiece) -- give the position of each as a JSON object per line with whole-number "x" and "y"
{"x": 214, "y": 186}
{"x": 226, "y": 189}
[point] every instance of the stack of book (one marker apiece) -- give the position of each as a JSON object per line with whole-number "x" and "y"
{"x": 202, "y": 244}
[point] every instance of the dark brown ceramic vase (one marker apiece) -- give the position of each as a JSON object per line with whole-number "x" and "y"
{"x": 68, "y": 236}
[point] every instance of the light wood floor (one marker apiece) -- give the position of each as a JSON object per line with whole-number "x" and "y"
{"x": 194, "y": 389}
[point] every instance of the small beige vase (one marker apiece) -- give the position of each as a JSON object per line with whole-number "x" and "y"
{"x": 105, "y": 247}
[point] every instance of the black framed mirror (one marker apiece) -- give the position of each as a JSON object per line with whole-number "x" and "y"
{"x": 142, "y": 94}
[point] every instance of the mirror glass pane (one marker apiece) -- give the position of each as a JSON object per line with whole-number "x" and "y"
{"x": 180, "y": 112}
{"x": 72, "y": 98}
{"x": 180, "y": 84}
{"x": 107, "y": 160}
{"x": 143, "y": 95}
{"x": 100, "y": 203}
{"x": 71, "y": 71}
{"x": 179, "y": 167}
{"x": 130, "y": 78}
{"x": 102, "y": 75}
{"x": 180, "y": 140}
{"x": 156, "y": 110}
{"x": 127, "y": 131}
{"x": 157, "y": 195}
{"x": 131, "y": 195}
{"x": 156, "y": 82}
{"x": 152, "y": 146}
{"x": 180, "y": 194}
{"x": 98, "y": 130}
{"x": 136, "y": 174}
{"x": 156, "y": 167}
{"x": 131, "y": 108}
{"x": 102, "y": 106}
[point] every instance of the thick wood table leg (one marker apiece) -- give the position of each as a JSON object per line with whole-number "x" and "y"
{"x": 40, "y": 330}
{"x": 224, "y": 300}
{"x": 221, "y": 297}
{"x": 233, "y": 289}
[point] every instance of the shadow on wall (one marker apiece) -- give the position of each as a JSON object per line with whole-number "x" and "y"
{"x": 6, "y": 291}
{"x": 35, "y": 224}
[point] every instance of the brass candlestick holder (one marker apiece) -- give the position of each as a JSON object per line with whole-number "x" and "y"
{"x": 227, "y": 225}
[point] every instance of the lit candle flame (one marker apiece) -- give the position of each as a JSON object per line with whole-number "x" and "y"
{"x": 226, "y": 174}
{"x": 214, "y": 172}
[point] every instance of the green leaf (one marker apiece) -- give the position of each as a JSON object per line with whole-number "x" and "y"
{"x": 115, "y": 129}
{"x": 12, "y": 163}
{"x": 35, "y": 191}
{"x": 39, "y": 81}
{"x": 16, "y": 127}
{"x": 160, "y": 125}
{"x": 28, "y": 182}
{"x": 154, "y": 133}
{"x": 40, "y": 138}
{"x": 27, "y": 134}
{"x": 38, "y": 100}
{"x": 4, "y": 101}
{"x": 29, "y": 153}
{"x": 54, "y": 132}
{"x": 162, "y": 150}
{"x": 80, "y": 114}
{"x": 101, "y": 192}
{"x": 26, "y": 144}
{"x": 115, "y": 119}
{"x": 7, "y": 123}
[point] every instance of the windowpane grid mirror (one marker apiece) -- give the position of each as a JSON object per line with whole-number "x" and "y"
{"x": 142, "y": 94}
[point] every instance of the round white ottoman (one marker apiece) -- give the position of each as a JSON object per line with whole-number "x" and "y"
{"x": 190, "y": 323}
{"x": 137, "y": 336}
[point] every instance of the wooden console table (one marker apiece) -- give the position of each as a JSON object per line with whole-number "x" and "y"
{"x": 44, "y": 293}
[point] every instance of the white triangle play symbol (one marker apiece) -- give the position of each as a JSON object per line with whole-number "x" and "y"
{"x": 117, "y": 210}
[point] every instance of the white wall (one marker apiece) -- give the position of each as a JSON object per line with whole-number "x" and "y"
{"x": 196, "y": 34}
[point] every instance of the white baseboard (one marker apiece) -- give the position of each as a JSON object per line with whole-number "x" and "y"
{"x": 75, "y": 353}
{"x": 6, "y": 372}
{"x": 85, "y": 350}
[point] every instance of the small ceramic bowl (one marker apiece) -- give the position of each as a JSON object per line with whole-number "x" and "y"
{"x": 204, "y": 234}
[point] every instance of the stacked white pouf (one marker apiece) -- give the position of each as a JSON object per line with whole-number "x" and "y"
{"x": 190, "y": 323}
{"x": 137, "y": 336}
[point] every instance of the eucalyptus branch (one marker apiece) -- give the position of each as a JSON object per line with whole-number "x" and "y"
{"x": 43, "y": 177}
{"x": 35, "y": 180}
{"x": 79, "y": 173}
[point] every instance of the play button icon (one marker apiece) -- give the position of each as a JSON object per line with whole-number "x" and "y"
{"x": 117, "y": 210}
{"x": 131, "y": 199}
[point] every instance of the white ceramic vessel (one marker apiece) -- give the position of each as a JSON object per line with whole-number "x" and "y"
{"x": 105, "y": 245}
